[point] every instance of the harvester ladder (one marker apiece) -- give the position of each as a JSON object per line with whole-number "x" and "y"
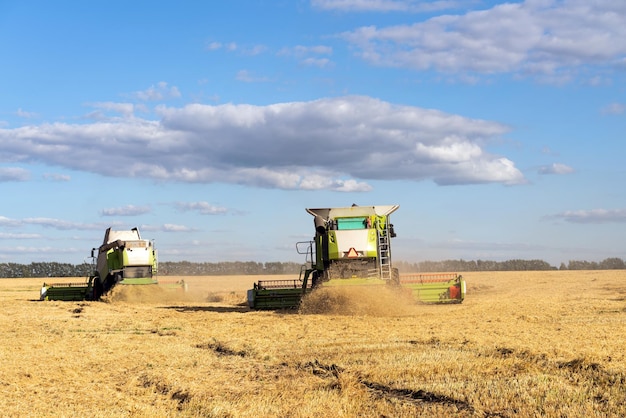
{"x": 384, "y": 255}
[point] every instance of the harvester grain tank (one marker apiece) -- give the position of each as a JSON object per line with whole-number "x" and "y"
{"x": 123, "y": 258}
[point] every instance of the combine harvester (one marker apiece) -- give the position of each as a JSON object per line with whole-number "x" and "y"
{"x": 351, "y": 245}
{"x": 123, "y": 258}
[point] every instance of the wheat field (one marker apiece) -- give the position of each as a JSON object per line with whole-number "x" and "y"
{"x": 522, "y": 344}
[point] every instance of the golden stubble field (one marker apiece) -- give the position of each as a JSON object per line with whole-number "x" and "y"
{"x": 523, "y": 344}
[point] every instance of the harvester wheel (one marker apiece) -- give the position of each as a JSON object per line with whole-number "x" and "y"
{"x": 97, "y": 288}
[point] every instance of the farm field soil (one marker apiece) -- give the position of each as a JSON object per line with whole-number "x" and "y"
{"x": 522, "y": 344}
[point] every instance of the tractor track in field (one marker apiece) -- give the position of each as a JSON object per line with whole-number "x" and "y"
{"x": 416, "y": 397}
{"x": 338, "y": 376}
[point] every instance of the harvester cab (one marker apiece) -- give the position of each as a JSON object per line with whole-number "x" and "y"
{"x": 123, "y": 258}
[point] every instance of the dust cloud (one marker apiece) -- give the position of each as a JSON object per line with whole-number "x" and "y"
{"x": 359, "y": 300}
{"x": 149, "y": 294}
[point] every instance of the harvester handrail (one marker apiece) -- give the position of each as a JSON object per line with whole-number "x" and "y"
{"x": 427, "y": 277}
{"x": 65, "y": 284}
{"x": 278, "y": 284}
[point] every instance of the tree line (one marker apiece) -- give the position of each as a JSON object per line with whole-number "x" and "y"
{"x": 167, "y": 268}
{"x": 509, "y": 265}
{"x": 227, "y": 268}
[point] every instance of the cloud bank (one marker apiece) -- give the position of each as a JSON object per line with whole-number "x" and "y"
{"x": 550, "y": 39}
{"x": 333, "y": 144}
{"x": 593, "y": 216}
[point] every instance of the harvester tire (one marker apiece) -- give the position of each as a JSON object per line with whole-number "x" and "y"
{"x": 114, "y": 280}
{"x": 97, "y": 288}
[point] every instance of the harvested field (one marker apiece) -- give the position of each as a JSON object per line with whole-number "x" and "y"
{"x": 523, "y": 344}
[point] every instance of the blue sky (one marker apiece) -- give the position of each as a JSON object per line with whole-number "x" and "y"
{"x": 497, "y": 127}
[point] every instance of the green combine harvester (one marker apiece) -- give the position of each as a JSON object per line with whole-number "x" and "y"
{"x": 123, "y": 258}
{"x": 351, "y": 243}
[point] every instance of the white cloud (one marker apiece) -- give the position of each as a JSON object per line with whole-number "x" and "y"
{"x": 548, "y": 151}
{"x": 59, "y": 224}
{"x": 175, "y": 228}
{"x": 20, "y": 250}
{"x": 556, "y": 168}
{"x": 350, "y": 186}
{"x": 302, "y": 50}
{"x": 24, "y": 114}
{"x": 165, "y": 228}
{"x": 234, "y": 47}
{"x": 547, "y": 39}
{"x": 203, "y": 208}
{"x": 128, "y": 210}
{"x": 316, "y": 62}
{"x": 334, "y": 144}
{"x": 614, "y": 109}
{"x": 593, "y": 216}
{"x": 310, "y": 56}
{"x": 254, "y": 50}
{"x": 415, "y": 6}
{"x": 161, "y": 91}
{"x": 4, "y": 221}
{"x": 4, "y": 235}
{"x": 247, "y": 77}
{"x": 13, "y": 174}
{"x": 214, "y": 46}
{"x": 56, "y": 177}
{"x": 126, "y": 109}
{"x": 318, "y": 182}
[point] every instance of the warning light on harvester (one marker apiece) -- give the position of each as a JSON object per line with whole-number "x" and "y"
{"x": 352, "y": 253}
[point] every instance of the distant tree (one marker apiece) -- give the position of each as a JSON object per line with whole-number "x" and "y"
{"x": 582, "y": 265}
{"x": 612, "y": 264}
